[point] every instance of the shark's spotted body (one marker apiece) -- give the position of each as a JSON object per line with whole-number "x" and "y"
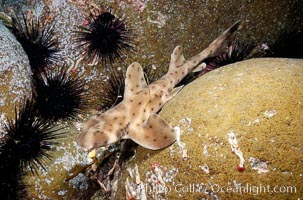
{"x": 135, "y": 117}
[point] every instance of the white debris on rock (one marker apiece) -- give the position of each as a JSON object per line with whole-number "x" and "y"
{"x": 205, "y": 151}
{"x": 205, "y": 168}
{"x": 186, "y": 123}
{"x": 62, "y": 192}
{"x": 258, "y": 165}
{"x": 160, "y": 21}
{"x": 156, "y": 179}
{"x": 134, "y": 189}
{"x": 270, "y": 113}
{"x": 232, "y": 139}
{"x": 70, "y": 159}
{"x": 181, "y": 145}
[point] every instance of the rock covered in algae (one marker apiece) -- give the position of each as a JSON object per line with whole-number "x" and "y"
{"x": 251, "y": 109}
{"x": 15, "y": 73}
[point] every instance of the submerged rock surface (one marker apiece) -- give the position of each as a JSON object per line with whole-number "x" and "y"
{"x": 255, "y": 107}
{"x": 15, "y": 73}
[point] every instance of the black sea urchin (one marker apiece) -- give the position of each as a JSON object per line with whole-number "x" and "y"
{"x": 28, "y": 139}
{"x": 38, "y": 41}
{"x": 105, "y": 38}
{"x": 112, "y": 89}
{"x": 60, "y": 94}
{"x": 288, "y": 45}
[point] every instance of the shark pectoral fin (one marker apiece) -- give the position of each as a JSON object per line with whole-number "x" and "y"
{"x": 177, "y": 58}
{"x": 156, "y": 133}
{"x": 134, "y": 80}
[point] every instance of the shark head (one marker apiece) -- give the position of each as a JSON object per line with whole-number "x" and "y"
{"x": 96, "y": 133}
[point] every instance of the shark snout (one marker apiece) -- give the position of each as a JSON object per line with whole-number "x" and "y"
{"x": 84, "y": 143}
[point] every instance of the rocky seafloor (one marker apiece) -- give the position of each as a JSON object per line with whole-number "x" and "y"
{"x": 157, "y": 28}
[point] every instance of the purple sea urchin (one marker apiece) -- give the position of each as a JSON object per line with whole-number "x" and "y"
{"x": 37, "y": 40}
{"x": 236, "y": 52}
{"x": 60, "y": 94}
{"x": 28, "y": 139}
{"x": 105, "y": 38}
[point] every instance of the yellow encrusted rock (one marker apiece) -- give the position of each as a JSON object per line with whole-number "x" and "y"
{"x": 254, "y": 107}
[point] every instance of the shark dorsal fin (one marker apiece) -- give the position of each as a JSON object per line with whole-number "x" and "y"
{"x": 176, "y": 58}
{"x": 134, "y": 80}
{"x": 155, "y": 134}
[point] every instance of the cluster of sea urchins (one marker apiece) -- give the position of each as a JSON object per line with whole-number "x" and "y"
{"x": 25, "y": 145}
{"x": 58, "y": 94}
{"x": 104, "y": 38}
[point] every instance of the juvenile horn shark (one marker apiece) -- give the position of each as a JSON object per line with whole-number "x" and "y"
{"x": 135, "y": 117}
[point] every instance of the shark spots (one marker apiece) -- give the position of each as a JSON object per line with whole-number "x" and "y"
{"x": 142, "y": 101}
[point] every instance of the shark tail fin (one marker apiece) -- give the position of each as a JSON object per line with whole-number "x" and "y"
{"x": 155, "y": 134}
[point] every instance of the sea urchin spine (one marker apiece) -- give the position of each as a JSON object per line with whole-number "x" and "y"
{"x": 28, "y": 139}
{"x": 38, "y": 41}
{"x": 60, "y": 94}
{"x": 236, "y": 52}
{"x": 105, "y": 38}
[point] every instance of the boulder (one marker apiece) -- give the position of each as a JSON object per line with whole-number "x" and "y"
{"x": 15, "y": 73}
{"x": 249, "y": 110}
